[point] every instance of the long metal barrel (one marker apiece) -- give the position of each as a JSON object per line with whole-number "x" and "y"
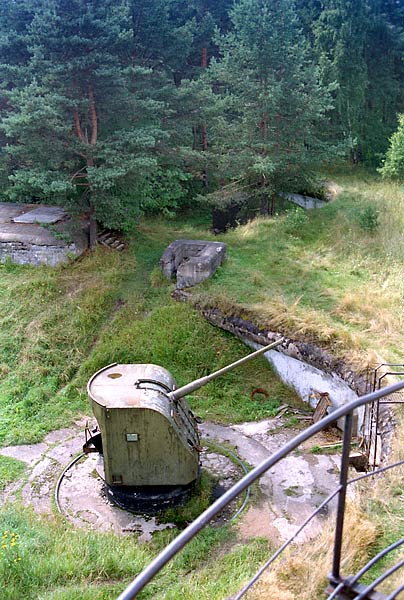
{"x": 198, "y": 383}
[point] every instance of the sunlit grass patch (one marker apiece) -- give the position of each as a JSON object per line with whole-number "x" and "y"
{"x": 11, "y": 470}
{"x": 56, "y": 561}
{"x": 50, "y": 320}
{"x": 177, "y": 337}
{"x": 337, "y": 283}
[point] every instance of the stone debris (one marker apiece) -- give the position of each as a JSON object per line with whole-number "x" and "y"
{"x": 111, "y": 240}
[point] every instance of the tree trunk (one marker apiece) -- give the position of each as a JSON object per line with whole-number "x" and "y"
{"x": 92, "y": 230}
{"x": 204, "y": 65}
{"x": 81, "y": 176}
{"x": 272, "y": 212}
{"x": 264, "y": 208}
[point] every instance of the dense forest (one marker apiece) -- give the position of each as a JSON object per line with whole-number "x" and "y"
{"x": 119, "y": 107}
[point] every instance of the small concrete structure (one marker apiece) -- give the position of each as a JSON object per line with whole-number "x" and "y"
{"x": 192, "y": 261}
{"x": 306, "y": 202}
{"x": 39, "y": 235}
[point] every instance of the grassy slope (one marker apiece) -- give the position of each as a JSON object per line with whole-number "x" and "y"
{"x": 61, "y": 325}
{"x": 331, "y": 281}
{"x": 58, "y": 327}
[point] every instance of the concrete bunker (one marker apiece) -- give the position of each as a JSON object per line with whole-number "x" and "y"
{"x": 37, "y": 234}
{"x": 192, "y": 261}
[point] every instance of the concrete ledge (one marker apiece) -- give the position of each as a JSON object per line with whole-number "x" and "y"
{"x": 306, "y": 202}
{"x": 37, "y": 234}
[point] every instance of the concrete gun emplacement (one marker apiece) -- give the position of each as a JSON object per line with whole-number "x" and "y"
{"x": 147, "y": 435}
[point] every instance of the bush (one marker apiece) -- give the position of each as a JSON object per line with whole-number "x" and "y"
{"x": 295, "y": 221}
{"x": 369, "y": 218}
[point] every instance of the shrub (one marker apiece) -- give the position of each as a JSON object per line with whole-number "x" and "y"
{"x": 369, "y": 218}
{"x": 295, "y": 221}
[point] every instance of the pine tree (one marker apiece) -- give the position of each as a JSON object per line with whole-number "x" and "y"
{"x": 340, "y": 40}
{"x": 393, "y": 166}
{"x": 385, "y": 90}
{"x": 270, "y": 102}
{"x": 358, "y": 45}
{"x": 85, "y": 116}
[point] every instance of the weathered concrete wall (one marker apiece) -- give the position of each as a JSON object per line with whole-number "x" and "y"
{"x": 307, "y": 380}
{"x": 33, "y": 254}
{"x": 39, "y": 235}
{"x": 306, "y": 202}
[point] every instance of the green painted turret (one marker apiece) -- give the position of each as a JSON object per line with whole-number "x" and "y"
{"x": 150, "y": 441}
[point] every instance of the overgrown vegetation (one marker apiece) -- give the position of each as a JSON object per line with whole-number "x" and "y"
{"x": 11, "y": 470}
{"x": 326, "y": 280}
{"x": 61, "y": 325}
{"x": 123, "y": 108}
{"x": 373, "y": 521}
{"x": 335, "y": 279}
{"x": 47, "y": 559}
{"x": 117, "y": 109}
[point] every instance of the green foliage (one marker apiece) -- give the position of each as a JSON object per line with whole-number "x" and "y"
{"x": 270, "y": 107}
{"x": 11, "y": 470}
{"x": 393, "y": 165}
{"x": 358, "y": 44}
{"x": 115, "y": 110}
{"x": 86, "y": 135}
{"x": 295, "y": 221}
{"x": 49, "y": 559}
{"x": 369, "y": 218}
{"x": 200, "y": 500}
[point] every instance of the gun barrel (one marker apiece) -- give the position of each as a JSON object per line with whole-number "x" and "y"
{"x": 198, "y": 383}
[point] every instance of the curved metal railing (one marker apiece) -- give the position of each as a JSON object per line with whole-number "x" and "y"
{"x": 340, "y": 588}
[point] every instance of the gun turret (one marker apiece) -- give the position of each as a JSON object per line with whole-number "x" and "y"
{"x": 148, "y": 436}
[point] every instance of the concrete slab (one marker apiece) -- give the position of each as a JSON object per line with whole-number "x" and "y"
{"x": 8, "y": 211}
{"x": 29, "y": 454}
{"x": 306, "y": 202}
{"x": 25, "y": 239}
{"x": 28, "y": 234}
{"x": 42, "y": 215}
{"x": 290, "y": 491}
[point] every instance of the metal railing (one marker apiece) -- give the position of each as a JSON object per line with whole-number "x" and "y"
{"x": 338, "y": 584}
{"x": 374, "y": 412}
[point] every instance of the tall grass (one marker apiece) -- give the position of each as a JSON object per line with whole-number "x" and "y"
{"x": 334, "y": 281}
{"x": 58, "y": 326}
{"x": 374, "y": 520}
